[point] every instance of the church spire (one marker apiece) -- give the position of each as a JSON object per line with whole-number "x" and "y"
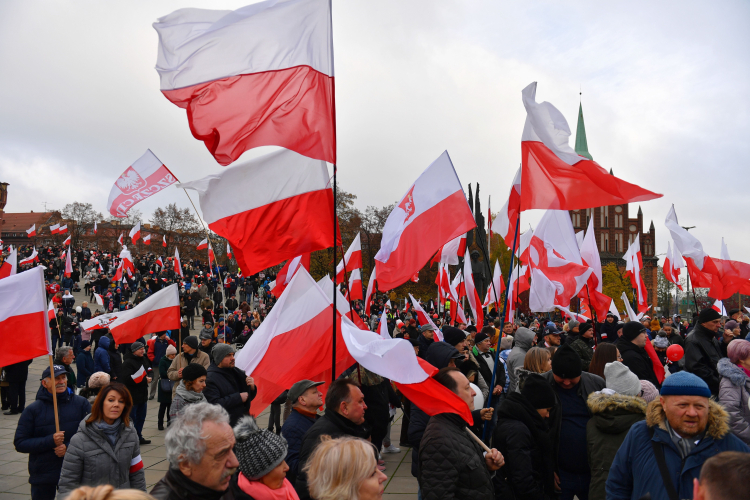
{"x": 582, "y": 147}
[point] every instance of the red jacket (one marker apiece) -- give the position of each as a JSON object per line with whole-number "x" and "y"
{"x": 150, "y": 350}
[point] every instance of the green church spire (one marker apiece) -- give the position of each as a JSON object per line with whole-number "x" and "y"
{"x": 582, "y": 147}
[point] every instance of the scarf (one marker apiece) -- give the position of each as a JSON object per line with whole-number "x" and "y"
{"x": 189, "y": 396}
{"x": 747, "y": 372}
{"x": 260, "y": 491}
{"x": 685, "y": 445}
{"x": 111, "y": 432}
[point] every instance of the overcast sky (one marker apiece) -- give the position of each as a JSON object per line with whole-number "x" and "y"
{"x": 666, "y": 89}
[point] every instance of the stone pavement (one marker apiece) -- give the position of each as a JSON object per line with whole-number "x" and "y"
{"x": 14, "y": 474}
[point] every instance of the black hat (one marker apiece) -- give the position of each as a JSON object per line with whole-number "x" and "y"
{"x": 413, "y": 342}
{"x": 538, "y": 392}
{"x": 453, "y": 335}
{"x": 193, "y": 371}
{"x": 480, "y": 337}
{"x": 632, "y": 329}
{"x": 707, "y": 315}
{"x": 191, "y": 341}
{"x": 136, "y": 345}
{"x": 732, "y": 311}
{"x": 471, "y": 328}
{"x": 585, "y": 327}
{"x": 258, "y": 451}
{"x": 566, "y": 363}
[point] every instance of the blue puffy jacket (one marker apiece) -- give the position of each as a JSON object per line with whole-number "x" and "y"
{"x": 635, "y": 472}
{"x": 294, "y": 430}
{"x": 85, "y": 365}
{"x": 101, "y": 356}
{"x": 37, "y": 426}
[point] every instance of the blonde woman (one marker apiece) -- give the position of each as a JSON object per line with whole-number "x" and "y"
{"x": 537, "y": 360}
{"x": 107, "y": 492}
{"x": 344, "y": 469}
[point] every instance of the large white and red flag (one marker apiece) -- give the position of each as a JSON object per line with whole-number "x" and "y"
{"x": 203, "y": 244}
{"x": 507, "y": 218}
{"x": 352, "y": 260}
{"x": 554, "y": 175}
{"x": 432, "y": 212}
{"x": 135, "y": 232}
{"x": 285, "y": 275}
{"x": 472, "y": 294}
{"x": 496, "y": 289}
{"x": 31, "y": 258}
{"x": 424, "y": 319}
{"x": 147, "y": 239}
{"x": 177, "y": 264}
{"x": 10, "y": 264}
{"x": 633, "y": 266}
{"x": 160, "y": 311}
{"x": 23, "y": 309}
{"x": 144, "y": 178}
{"x": 54, "y": 229}
{"x": 303, "y": 315}
{"x": 590, "y": 257}
{"x": 63, "y": 229}
{"x": 261, "y": 75}
{"x": 31, "y": 231}
{"x": 672, "y": 265}
{"x": 342, "y": 305}
{"x": 450, "y": 252}
{"x": 290, "y": 212}
{"x": 355, "y": 285}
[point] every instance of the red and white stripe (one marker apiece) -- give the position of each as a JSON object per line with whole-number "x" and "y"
{"x": 352, "y": 260}
{"x": 285, "y": 275}
{"x": 143, "y": 179}
{"x": 10, "y": 264}
{"x": 203, "y": 244}
{"x": 290, "y": 212}
{"x": 342, "y": 304}
{"x": 355, "y": 285}
{"x": 68, "y": 264}
{"x": 177, "y": 265}
{"x": 51, "y": 311}
{"x": 98, "y": 299}
{"x": 119, "y": 239}
{"x": 160, "y": 311}
{"x": 63, "y": 229}
{"x": 139, "y": 375}
{"x": 67, "y": 241}
{"x": 507, "y": 219}
{"x": 164, "y": 241}
{"x": 268, "y": 69}
{"x": 136, "y": 464}
{"x": 497, "y": 285}
{"x": 54, "y": 229}
{"x": 23, "y": 308}
{"x": 95, "y": 227}
{"x": 424, "y": 318}
{"x": 718, "y": 306}
{"x": 432, "y": 212}
{"x": 672, "y": 265}
{"x": 147, "y": 239}
{"x": 135, "y": 232}
{"x": 370, "y": 290}
{"x": 472, "y": 294}
{"x": 633, "y": 265}
{"x": 31, "y": 231}
{"x": 229, "y": 251}
{"x": 30, "y": 259}
{"x": 449, "y": 253}
{"x": 159, "y": 262}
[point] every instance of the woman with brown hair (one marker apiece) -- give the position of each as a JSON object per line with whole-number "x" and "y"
{"x": 605, "y": 353}
{"x": 105, "y": 450}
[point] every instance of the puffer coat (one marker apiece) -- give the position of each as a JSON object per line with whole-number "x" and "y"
{"x": 91, "y": 460}
{"x": 734, "y": 395}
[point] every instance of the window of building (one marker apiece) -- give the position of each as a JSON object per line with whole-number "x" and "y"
{"x": 576, "y": 219}
{"x": 606, "y": 242}
{"x": 605, "y": 216}
{"x": 588, "y": 216}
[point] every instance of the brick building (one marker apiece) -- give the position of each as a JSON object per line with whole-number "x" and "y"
{"x": 615, "y": 230}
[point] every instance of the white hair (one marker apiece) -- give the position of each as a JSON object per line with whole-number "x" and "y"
{"x": 61, "y": 352}
{"x": 185, "y": 441}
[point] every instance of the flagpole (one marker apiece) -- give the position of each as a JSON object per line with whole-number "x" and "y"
{"x": 502, "y": 322}
{"x": 52, "y": 376}
{"x": 333, "y": 340}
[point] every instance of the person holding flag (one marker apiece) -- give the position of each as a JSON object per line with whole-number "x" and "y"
{"x": 135, "y": 375}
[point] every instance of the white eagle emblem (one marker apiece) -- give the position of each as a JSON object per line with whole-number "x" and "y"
{"x": 130, "y": 181}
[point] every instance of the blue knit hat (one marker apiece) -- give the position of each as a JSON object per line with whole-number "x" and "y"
{"x": 684, "y": 384}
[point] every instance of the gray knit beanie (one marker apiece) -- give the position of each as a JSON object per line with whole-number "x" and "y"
{"x": 221, "y": 351}
{"x": 621, "y": 380}
{"x": 258, "y": 451}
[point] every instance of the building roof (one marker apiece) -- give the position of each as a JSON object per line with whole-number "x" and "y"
{"x": 22, "y": 221}
{"x": 582, "y": 146}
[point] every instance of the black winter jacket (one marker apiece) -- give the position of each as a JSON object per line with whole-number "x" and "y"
{"x": 130, "y": 366}
{"x": 702, "y": 353}
{"x": 36, "y": 427}
{"x": 294, "y": 429}
{"x": 637, "y": 359}
{"x": 223, "y": 388}
{"x": 607, "y": 332}
{"x": 176, "y": 486}
{"x": 451, "y": 462}
{"x": 331, "y": 424}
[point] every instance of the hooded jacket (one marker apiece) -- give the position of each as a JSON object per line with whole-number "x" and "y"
{"x": 702, "y": 354}
{"x": 635, "y": 472}
{"x": 613, "y": 416}
{"x": 734, "y": 394}
{"x": 638, "y": 361}
{"x": 101, "y": 356}
{"x": 523, "y": 340}
{"x": 223, "y": 388}
{"x": 91, "y": 460}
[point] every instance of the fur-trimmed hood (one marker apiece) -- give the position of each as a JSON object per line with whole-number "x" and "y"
{"x": 615, "y": 413}
{"x": 718, "y": 418}
{"x": 734, "y": 373}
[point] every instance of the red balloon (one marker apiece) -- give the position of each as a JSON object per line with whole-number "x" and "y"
{"x": 675, "y": 352}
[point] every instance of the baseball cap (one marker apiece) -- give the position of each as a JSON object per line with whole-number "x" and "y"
{"x": 59, "y": 370}
{"x": 551, "y": 330}
{"x": 299, "y": 388}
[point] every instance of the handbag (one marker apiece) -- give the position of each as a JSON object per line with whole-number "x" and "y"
{"x": 166, "y": 384}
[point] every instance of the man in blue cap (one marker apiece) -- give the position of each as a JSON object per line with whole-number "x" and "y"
{"x": 683, "y": 429}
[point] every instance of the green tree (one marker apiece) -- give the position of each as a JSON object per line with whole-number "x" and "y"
{"x": 614, "y": 283}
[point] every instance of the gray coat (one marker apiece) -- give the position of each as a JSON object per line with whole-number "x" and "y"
{"x": 91, "y": 460}
{"x": 521, "y": 345}
{"x": 734, "y": 395}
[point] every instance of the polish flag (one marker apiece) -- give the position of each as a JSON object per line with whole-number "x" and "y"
{"x": 448, "y": 253}
{"x": 370, "y": 289}
{"x": 136, "y": 464}
{"x": 472, "y": 294}
{"x": 590, "y": 257}
{"x": 68, "y": 264}
{"x": 290, "y": 213}
{"x": 614, "y": 311}
{"x": 629, "y": 310}
{"x": 63, "y": 229}
{"x": 395, "y": 360}
{"x": 211, "y": 255}
{"x": 229, "y": 252}
{"x": 458, "y": 286}
{"x": 135, "y": 232}
{"x": 355, "y": 285}
{"x": 94, "y": 227}
{"x": 144, "y": 178}
{"x": 285, "y": 275}
{"x": 497, "y": 285}
{"x": 54, "y": 229}
{"x": 554, "y": 176}
{"x": 159, "y": 262}
{"x": 164, "y": 241}
{"x": 518, "y": 283}
{"x": 67, "y": 241}
{"x": 718, "y": 306}
{"x": 119, "y": 239}
{"x": 23, "y": 308}
{"x": 177, "y": 265}
{"x": 383, "y": 327}
{"x": 507, "y": 219}
{"x": 432, "y": 212}
{"x": 424, "y": 319}
{"x": 10, "y": 264}
{"x": 139, "y": 375}
{"x": 31, "y": 231}
{"x": 633, "y": 265}
{"x": 118, "y": 272}
{"x": 352, "y": 260}
{"x": 31, "y": 258}
{"x": 98, "y": 299}
{"x": 126, "y": 258}
{"x": 147, "y": 239}
{"x": 342, "y": 305}
{"x": 443, "y": 282}
{"x": 672, "y": 265}
{"x": 303, "y": 315}
{"x": 273, "y": 58}
{"x": 160, "y": 311}
{"x": 51, "y": 311}
{"x": 203, "y": 244}
{"x": 101, "y": 269}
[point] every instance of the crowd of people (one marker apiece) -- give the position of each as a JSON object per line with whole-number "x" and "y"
{"x": 560, "y": 409}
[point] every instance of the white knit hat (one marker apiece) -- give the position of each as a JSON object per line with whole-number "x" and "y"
{"x": 620, "y": 379}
